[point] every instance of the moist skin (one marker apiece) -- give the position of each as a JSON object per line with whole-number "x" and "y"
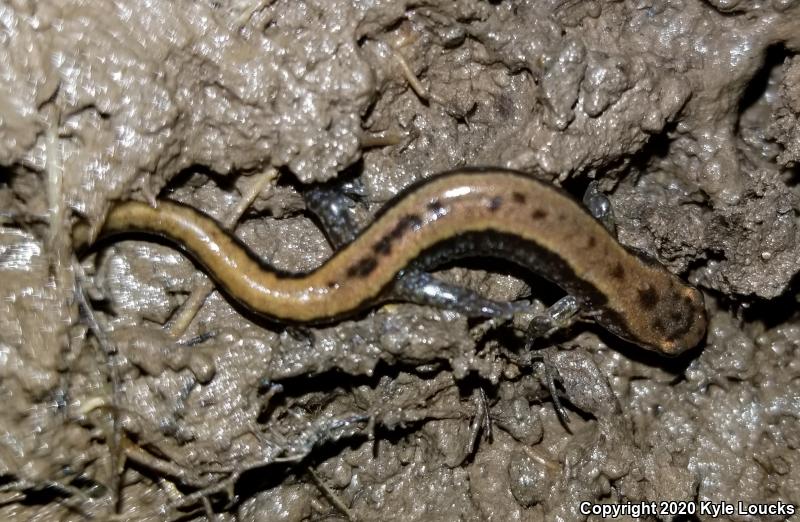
{"x": 463, "y": 213}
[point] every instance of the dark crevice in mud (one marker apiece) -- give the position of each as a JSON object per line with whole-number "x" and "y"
{"x": 257, "y": 480}
{"x": 576, "y": 187}
{"x": 695, "y": 265}
{"x": 198, "y": 175}
{"x": 656, "y": 148}
{"x": 774, "y": 312}
{"x": 6, "y": 174}
{"x": 792, "y": 179}
{"x": 333, "y": 380}
{"x": 774, "y": 56}
{"x": 43, "y": 494}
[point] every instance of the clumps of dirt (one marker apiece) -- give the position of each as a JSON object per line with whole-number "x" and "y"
{"x": 784, "y": 127}
{"x": 685, "y": 111}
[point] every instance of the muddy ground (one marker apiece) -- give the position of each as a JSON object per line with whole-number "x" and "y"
{"x": 686, "y": 111}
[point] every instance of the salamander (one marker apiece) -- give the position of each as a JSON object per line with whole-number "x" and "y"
{"x": 463, "y": 213}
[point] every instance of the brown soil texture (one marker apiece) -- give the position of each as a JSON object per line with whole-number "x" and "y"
{"x": 687, "y": 112}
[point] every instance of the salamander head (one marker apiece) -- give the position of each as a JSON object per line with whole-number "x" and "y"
{"x": 672, "y": 320}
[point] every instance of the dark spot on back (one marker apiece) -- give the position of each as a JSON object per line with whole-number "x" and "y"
{"x": 518, "y": 197}
{"x": 648, "y": 298}
{"x": 407, "y": 222}
{"x": 591, "y": 241}
{"x": 332, "y": 284}
{"x": 618, "y": 272}
{"x": 383, "y": 247}
{"x": 404, "y": 224}
{"x": 538, "y": 214}
{"x": 436, "y": 207}
{"x": 363, "y": 268}
{"x": 495, "y": 203}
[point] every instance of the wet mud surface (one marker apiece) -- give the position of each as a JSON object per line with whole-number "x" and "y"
{"x": 686, "y": 112}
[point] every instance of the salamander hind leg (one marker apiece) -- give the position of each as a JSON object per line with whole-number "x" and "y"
{"x": 558, "y": 316}
{"x": 337, "y": 207}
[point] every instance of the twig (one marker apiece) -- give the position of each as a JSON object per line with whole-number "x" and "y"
{"x": 176, "y": 326}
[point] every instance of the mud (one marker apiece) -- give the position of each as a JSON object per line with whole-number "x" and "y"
{"x": 687, "y": 112}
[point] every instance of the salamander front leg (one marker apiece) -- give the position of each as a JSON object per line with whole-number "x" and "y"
{"x": 559, "y": 316}
{"x": 599, "y": 206}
